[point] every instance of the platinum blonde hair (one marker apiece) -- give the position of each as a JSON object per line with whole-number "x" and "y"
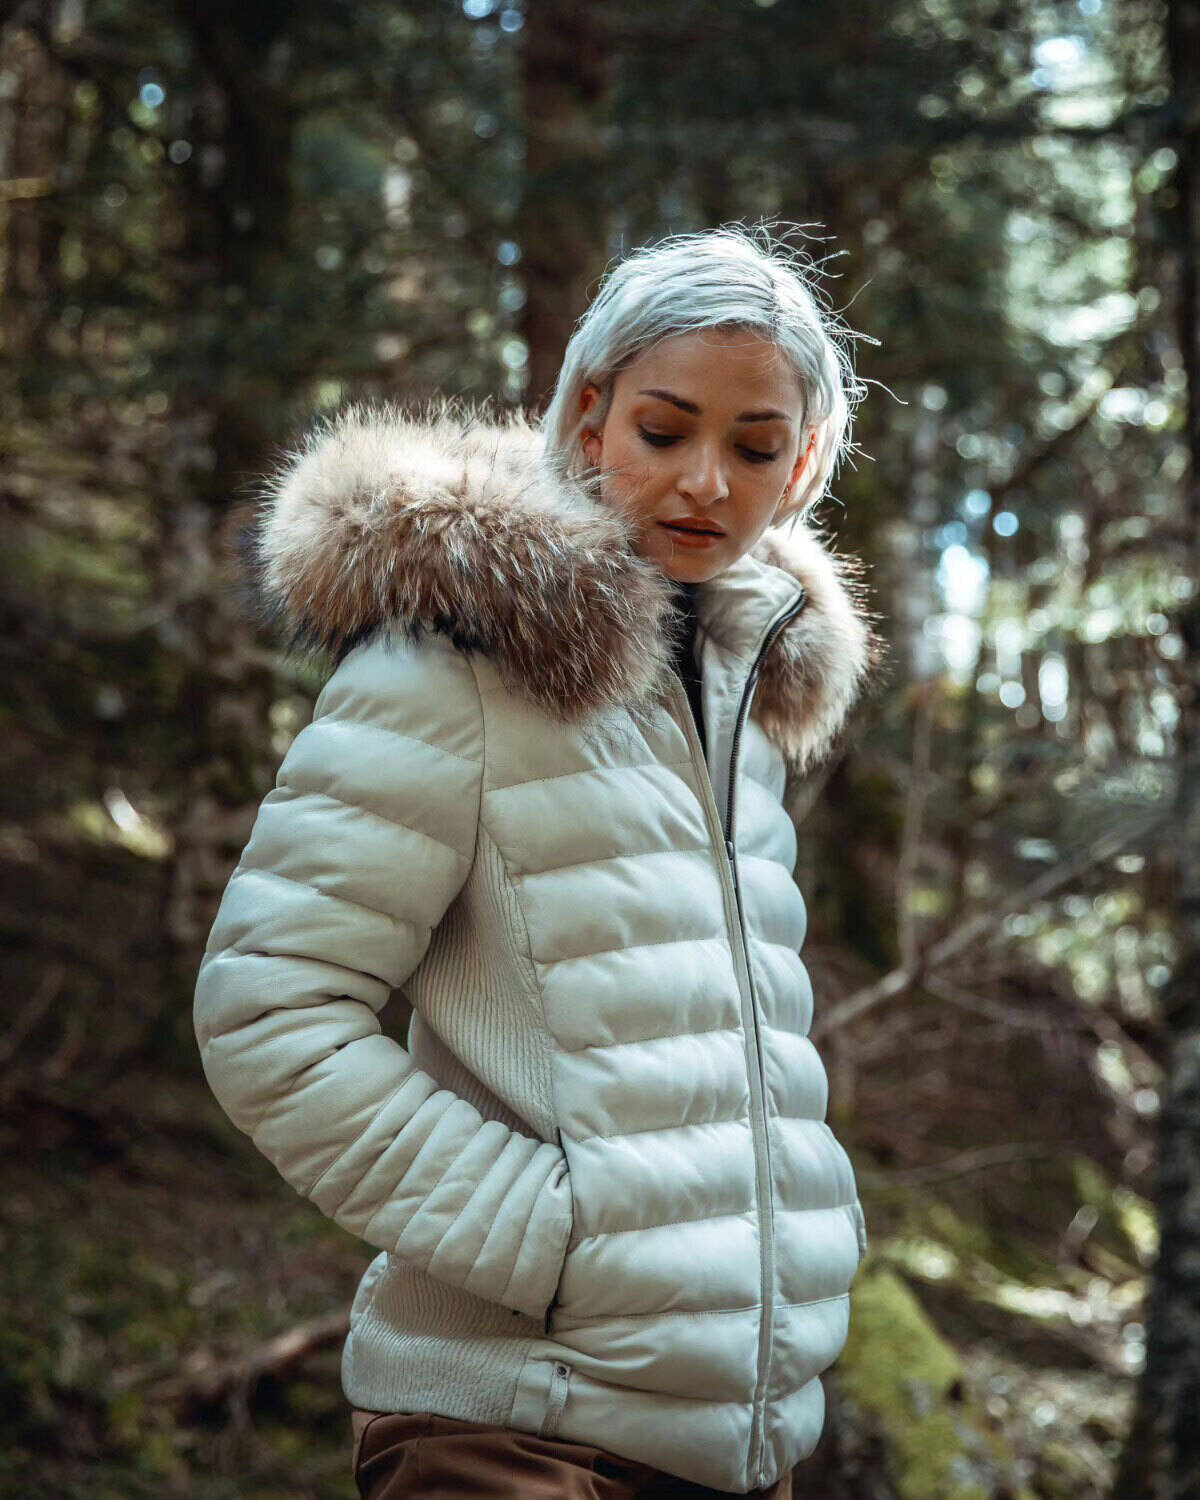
{"x": 732, "y": 277}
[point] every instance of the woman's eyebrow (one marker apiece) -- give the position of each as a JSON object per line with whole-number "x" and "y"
{"x": 693, "y": 410}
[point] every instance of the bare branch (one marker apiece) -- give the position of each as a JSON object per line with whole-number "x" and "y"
{"x": 964, "y": 1162}
{"x": 19, "y": 189}
{"x": 207, "y": 1382}
{"x": 996, "y": 1010}
{"x": 978, "y": 928}
{"x": 33, "y": 1010}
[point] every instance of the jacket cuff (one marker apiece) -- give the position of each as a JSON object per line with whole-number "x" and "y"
{"x": 537, "y": 1272}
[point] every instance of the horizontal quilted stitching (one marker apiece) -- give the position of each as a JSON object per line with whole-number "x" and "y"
{"x": 641, "y": 1041}
{"x": 574, "y": 958}
{"x": 512, "y": 786}
{"x": 714, "y": 1312}
{"x": 610, "y": 1234}
{"x": 339, "y": 721}
{"x": 583, "y": 864}
{"x": 390, "y": 819}
{"x": 627, "y": 1135}
{"x": 315, "y": 890}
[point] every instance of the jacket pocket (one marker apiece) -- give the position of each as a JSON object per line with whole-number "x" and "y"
{"x": 541, "y": 1395}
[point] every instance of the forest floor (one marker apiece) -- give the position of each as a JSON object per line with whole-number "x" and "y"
{"x": 150, "y": 1261}
{"x": 144, "y": 1256}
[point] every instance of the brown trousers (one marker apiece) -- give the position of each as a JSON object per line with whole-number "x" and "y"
{"x": 419, "y": 1456}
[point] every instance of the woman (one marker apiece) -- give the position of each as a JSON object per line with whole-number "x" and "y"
{"x": 542, "y": 794}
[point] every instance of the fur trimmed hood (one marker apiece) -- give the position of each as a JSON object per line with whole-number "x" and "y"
{"x": 451, "y": 521}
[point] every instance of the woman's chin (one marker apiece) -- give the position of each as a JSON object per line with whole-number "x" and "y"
{"x": 685, "y": 564}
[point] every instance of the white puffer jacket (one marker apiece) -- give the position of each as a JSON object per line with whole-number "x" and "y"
{"x": 608, "y": 1204}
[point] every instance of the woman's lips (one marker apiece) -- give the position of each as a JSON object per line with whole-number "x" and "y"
{"x": 688, "y": 536}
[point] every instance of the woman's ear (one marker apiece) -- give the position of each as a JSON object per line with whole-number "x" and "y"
{"x": 797, "y": 470}
{"x": 802, "y": 462}
{"x": 589, "y": 437}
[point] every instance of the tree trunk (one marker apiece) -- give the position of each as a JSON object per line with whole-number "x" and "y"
{"x": 562, "y": 219}
{"x": 236, "y": 213}
{"x": 1162, "y": 1457}
{"x": 34, "y": 123}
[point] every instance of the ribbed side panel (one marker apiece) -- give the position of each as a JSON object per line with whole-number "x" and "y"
{"x": 475, "y": 990}
{"x": 417, "y": 1345}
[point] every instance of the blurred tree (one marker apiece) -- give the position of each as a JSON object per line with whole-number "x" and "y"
{"x": 562, "y": 221}
{"x": 1162, "y": 1457}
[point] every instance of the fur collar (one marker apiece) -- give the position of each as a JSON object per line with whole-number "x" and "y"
{"x": 451, "y": 521}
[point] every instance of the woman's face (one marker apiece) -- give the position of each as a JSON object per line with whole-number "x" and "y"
{"x": 702, "y": 444}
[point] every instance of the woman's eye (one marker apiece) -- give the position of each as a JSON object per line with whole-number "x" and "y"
{"x": 666, "y": 439}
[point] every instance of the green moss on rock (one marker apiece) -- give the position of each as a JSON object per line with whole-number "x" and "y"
{"x": 902, "y": 1377}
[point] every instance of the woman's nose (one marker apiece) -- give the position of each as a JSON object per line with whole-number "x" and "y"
{"x": 703, "y": 479}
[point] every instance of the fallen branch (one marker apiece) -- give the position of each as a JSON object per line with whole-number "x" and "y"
{"x": 208, "y": 1382}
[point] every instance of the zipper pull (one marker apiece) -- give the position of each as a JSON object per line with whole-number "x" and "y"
{"x": 729, "y": 849}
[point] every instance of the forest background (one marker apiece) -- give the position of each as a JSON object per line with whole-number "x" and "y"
{"x": 219, "y": 221}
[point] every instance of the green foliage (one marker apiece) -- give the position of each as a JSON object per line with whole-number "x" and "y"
{"x": 901, "y": 1374}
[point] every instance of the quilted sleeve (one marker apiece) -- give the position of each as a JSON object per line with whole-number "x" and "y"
{"x": 357, "y": 852}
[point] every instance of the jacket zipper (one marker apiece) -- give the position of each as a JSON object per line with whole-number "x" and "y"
{"x": 757, "y": 1074}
